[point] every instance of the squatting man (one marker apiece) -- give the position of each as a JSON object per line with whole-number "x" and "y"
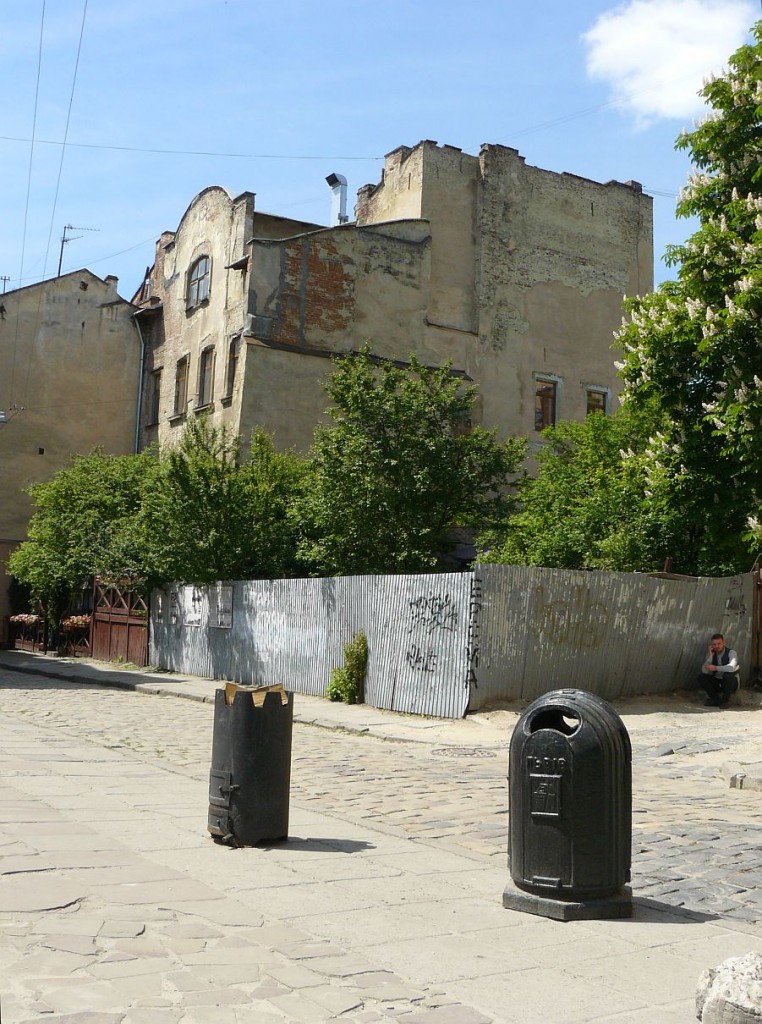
{"x": 719, "y": 673}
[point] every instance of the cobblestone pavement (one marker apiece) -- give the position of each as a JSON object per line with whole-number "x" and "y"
{"x": 696, "y": 843}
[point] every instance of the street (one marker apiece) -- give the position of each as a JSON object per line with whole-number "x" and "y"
{"x": 384, "y": 904}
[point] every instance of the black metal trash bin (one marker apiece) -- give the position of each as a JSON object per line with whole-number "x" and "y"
{"x": 570, "y": 800}
{"x": 250, "y": 775}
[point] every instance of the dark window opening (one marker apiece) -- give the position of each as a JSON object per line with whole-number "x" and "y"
{"x": 181, "y": 386}
{"x": 545, "y": 404}
{"x": 232, "y": 366}
{"x": 154, "y": 401}
{"x": 596, "y": 401}
{"x": 206, "y": 377}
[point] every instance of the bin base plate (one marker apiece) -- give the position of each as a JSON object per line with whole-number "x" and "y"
{"x": 618, "y": 905}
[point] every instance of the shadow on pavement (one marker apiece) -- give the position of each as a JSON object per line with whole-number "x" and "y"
{"x": 313, "y": 844}
{"x": 657, "y": 912}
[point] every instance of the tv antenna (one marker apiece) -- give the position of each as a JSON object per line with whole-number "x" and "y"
{"x": 70, "y": 238}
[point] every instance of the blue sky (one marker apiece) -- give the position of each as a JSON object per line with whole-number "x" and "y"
{"x": 116, "y": 114}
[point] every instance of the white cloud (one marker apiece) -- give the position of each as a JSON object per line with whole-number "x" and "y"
{"x": 656, "y": 54}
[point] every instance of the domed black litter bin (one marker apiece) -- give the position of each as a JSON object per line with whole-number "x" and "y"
{"x": 250, "y": 777}
{"x": 570, "y": 804}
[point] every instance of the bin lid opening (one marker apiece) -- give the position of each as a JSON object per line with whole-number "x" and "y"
{"x": 562, "y": 720}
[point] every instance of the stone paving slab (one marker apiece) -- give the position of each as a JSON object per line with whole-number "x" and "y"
{"x": 425, "y": 835}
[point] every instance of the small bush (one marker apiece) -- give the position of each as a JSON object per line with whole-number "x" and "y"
{"x": 346, "y": 683}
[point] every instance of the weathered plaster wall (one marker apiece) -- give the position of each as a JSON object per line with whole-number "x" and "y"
{"x": 557, "y": 254}
{"x": 398, "y": 196}
{"x": 217, "y": 226}
{"x": 440, "y": 185}
{"x": 335, "y": 289}
{"x": 281, "y": 391}
{"x": 5, "y": 581}
{"x": 70, "y": 356}
{"x": 528, "y": 270}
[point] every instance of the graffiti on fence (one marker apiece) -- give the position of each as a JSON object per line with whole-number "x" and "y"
{"x": 432, "y": 612}
{"x": 423, "y": 661}
{"x": 474, "y": 614}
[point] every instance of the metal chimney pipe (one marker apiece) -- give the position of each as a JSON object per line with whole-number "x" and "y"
{"x": 338, "y": 185}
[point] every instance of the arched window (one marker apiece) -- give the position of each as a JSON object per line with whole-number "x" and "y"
{"x": 199, "y": 277}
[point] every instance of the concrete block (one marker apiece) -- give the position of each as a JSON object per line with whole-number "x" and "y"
{"x": 732, "y": 992}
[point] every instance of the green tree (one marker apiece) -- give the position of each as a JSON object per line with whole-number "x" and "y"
{"x": 692, "y": 349}
{"x": 590, "y": 504}
{"x": 398, "y": 469}
{"x": 213, "y": 516}
{"x": 84, "y": 524}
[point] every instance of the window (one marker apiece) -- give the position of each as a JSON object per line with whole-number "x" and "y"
{"x": 596, "y": 400}
{"x": 181, "y": 386}
{"x": 154, "y": 397}
{"x": 232, "y": 366}
{"x": 545, "y": 404}
{"x": 198, "y": 282}
{"x": 206, "y": 377}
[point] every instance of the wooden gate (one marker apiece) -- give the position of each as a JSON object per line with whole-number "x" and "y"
{"x": 120, "y": 625}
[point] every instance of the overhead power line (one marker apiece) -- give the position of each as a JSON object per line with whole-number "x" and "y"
{"x": 186, "y": 152}
{"x": 28, "y": 190}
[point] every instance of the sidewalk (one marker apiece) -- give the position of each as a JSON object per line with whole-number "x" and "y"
{"x": 309, "y": 710}
{"x": 116, "y": 908}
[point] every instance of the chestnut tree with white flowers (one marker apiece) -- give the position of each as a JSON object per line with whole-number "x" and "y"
{"x": 693, "y": 349}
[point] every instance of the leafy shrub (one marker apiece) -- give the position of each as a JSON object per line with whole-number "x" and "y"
{"x": 346, "y": 683}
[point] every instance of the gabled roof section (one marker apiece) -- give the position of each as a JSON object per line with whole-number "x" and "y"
{"x": 83, "y": 277}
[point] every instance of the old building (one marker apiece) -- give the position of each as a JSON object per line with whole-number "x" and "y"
{"x": 193, "y": 317}
{"x": 513, "y": 273}
{"x": 69, "y": 376}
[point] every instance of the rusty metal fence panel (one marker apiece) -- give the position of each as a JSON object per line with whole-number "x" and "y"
{"x": 294, "y": 631}
{"x": 614, "y": 634}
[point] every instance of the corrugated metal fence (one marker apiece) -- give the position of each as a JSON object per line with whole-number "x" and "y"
{"x": 443, "y": 644}
{"x": 293, "y": 632}
{"x": 614, "y": 634}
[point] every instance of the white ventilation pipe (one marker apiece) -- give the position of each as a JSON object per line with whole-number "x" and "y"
{"x": 338, "y": 185}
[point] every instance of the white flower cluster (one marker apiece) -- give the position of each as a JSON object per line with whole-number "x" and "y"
{"x": 744, "y": 284}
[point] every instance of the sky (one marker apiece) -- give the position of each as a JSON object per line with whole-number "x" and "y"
{"x": 116, "y": 113}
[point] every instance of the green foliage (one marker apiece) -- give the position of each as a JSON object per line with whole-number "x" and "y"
{"x": 398, "y": 469}
{"x": 197, "y": 513}
{"x": 84, "y": 524}
{"x": 213, "y": 516}
{"x": 692, "y": 348}
{"x": 346, "y": 683}
{"x": 584, "y": 507}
